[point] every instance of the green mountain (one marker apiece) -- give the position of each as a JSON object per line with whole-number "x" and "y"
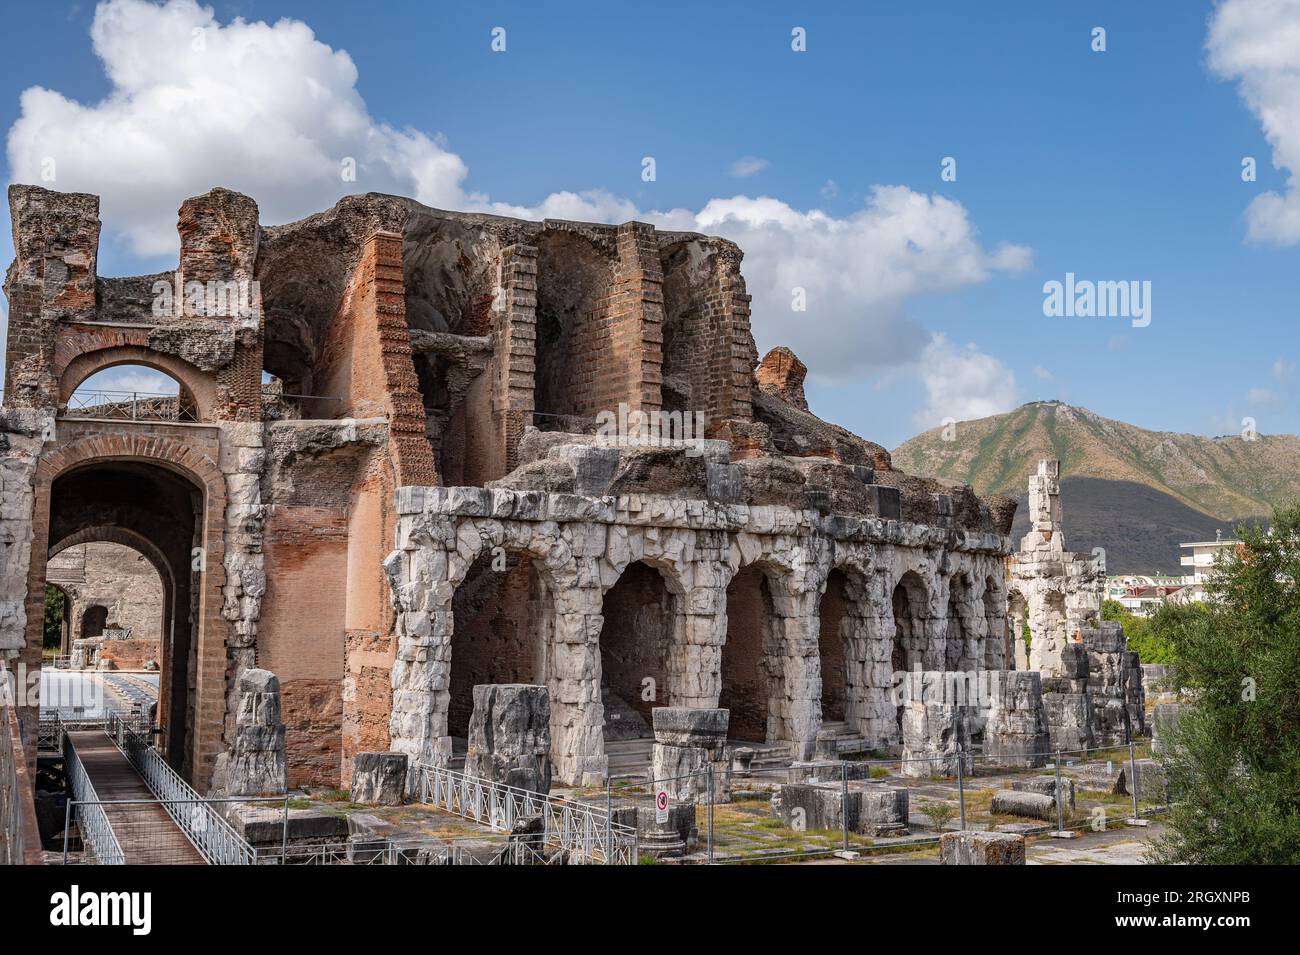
{"x": 1200, "y": 483}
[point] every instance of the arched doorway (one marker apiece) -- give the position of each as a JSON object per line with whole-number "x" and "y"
{"x": 640, "y": 618}
{"x": 155, "y": 510}
{"x": 752, "y": 671}
{"x": 908, "y": 653}
{"x": 501, "y": 631}
{"x": 832, "y": 641}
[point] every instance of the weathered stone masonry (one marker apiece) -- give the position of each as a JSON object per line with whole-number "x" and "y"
{"x": 388, "y": 484}
{"x": 585, "y": 544}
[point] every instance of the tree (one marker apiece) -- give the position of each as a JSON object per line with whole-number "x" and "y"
{"x": 54, "y": 610}
{"x": 1234, "y": 758}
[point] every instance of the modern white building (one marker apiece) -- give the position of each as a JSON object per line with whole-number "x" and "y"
{"x": 1200, "y": 563}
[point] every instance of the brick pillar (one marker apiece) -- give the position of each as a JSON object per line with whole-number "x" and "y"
{"x": 514, "y": 350}
{"x": 737, "y": 354}
{"x": 381, "y": 276}
{"x": 636, "y": 319}
{"x": 56, "y": 248}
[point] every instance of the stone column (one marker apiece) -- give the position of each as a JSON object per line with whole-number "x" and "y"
{"x": 255, "y": 763}
{"x": 510, "y": 736}
{"x": 687, "y": 741}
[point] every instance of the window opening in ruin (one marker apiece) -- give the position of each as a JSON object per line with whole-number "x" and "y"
{"x": 132, "y": 393}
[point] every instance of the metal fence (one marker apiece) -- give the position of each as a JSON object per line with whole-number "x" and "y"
{"x": 198, "y": 818}
{"x": 460, "y": 851}
{"x": 587, "y": 833}
{"x": 87, "y": 812}
{"x": 130, "y": 406}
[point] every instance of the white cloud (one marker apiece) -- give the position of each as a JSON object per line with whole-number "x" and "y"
{"x": 1284, "y": 371}
{"x": 265, "y": 109}
{"x": 747, "y": 166}
{"x": 269, "y": 110}
{"x": 963, "y": 383}
{"x": 1257, "y": 43}
{"x": 1043, "y": 373}
{"x": 857, "y": 271}
{"x": 831, "y": 189}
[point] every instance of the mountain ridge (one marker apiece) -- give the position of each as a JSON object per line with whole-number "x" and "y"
{"x": 1225, "y": 478}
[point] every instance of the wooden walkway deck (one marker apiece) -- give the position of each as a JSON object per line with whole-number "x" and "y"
{"x": 147, "y": 835}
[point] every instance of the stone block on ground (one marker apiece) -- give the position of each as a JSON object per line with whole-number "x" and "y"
{"x": 872, "y": 810}
{"x": 1031, "y": 805}
{"x": 1046, "y": 785}
{"x": 981, "y": 848}
{"x": 378, "y": 778}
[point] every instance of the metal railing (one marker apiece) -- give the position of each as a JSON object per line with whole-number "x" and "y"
{"x": 130, "y": 406}
{"x": 586, "y": 832}
{"x": 85, "y": 809}
{"x": 216, "y": 840}
{"x": 462, "y": 851}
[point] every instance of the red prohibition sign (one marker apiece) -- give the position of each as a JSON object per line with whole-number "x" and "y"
{"x": 661, "y": 800}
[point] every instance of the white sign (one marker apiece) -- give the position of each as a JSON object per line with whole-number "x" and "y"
{"x": 661, "y": 806}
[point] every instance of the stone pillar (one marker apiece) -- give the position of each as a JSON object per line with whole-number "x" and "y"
{"x": 255, "y": 763}
{"x": 578, "y": 721}
{"x": 510, "y": 736}
{"x": 514, "y": 338}
{"x": 936, "y": 725}
{"x": 687, "y": 741}
{"x": 1066, "y": 700}
{"x": 1015, "y": 733}
{"x": 1107, "y": 677}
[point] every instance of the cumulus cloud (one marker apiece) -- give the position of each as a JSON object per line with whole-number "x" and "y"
{"x": 855, "y": 273}
{"x": 265, "y": 109}
{"x": 1257, "y": 43}
{"x": 270, "y": 110}
{"x": 747, "y": 166}
{"x": 962, "y": 383}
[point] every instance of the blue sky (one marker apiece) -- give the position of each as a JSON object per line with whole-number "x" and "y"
{"x": 1115, "y": 165}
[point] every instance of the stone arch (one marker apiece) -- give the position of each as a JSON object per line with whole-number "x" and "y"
{"x": 910, "y": 602}
{"x": 424, "y": 584}
{"x": 159, "y": 488}
{"x": 502, "y": 612}
{"x": 196, "y": 388}
{"x": 832, "y": 646}
{"x": 641, "y": 621}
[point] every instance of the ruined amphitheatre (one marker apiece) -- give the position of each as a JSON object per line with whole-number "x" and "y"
{"x": 412, "y": 452}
